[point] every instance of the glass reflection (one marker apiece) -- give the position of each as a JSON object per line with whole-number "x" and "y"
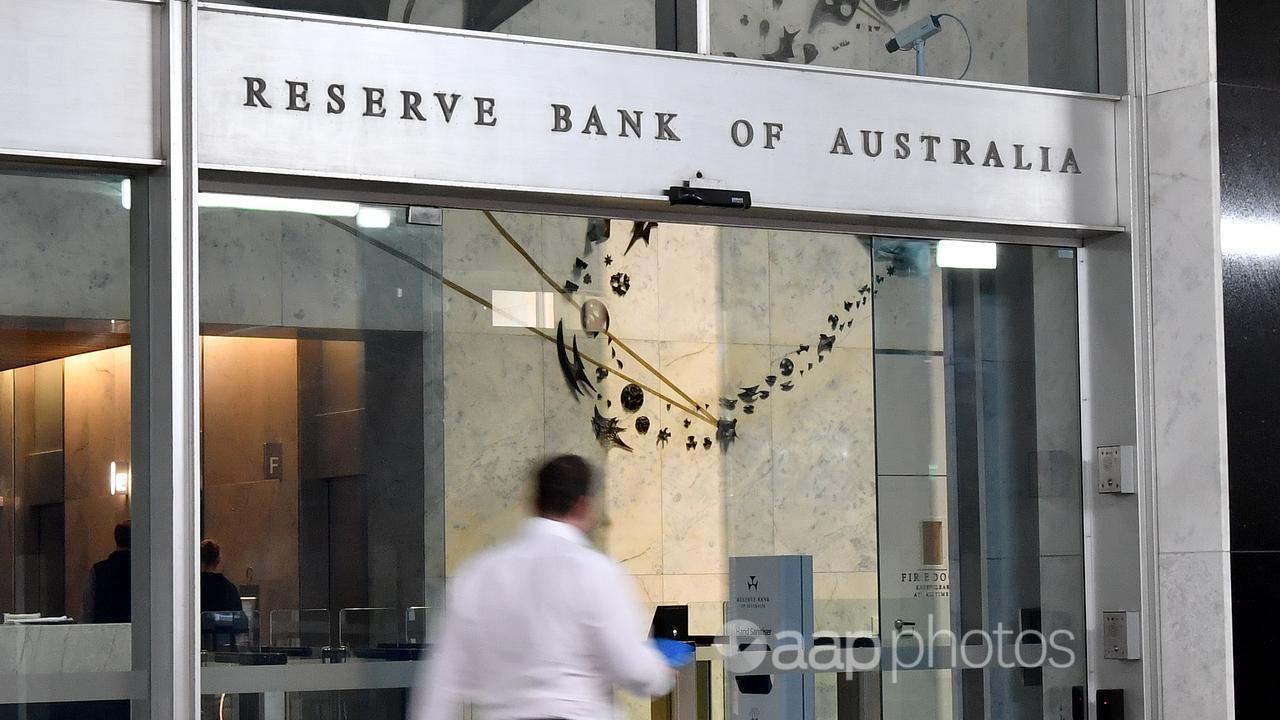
{"x": 65, "y": 455}
{"x": 632, "y": 23}
{"x": 374, "y": 394}
{"x": 1017, "y": 42}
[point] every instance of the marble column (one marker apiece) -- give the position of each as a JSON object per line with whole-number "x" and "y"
{"x": 1187, "y": 391}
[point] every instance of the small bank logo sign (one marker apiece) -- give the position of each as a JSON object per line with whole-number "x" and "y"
{"x": 752, "y": 583}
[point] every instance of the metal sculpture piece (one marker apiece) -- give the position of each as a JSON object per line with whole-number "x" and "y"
{"x": 620, "y": 283}
{"x": 786, "y": 47}
{"x": 575, "y": 373}
{"x": 608, "y": 431}
{"x": 632, "y": 397}
{"x": 640, "y": 231}
{"x": 726, "y": 432}
{"x": 595, "y": 317}
{"x": 839, "y": 12}
{"x": 597, "y": 230}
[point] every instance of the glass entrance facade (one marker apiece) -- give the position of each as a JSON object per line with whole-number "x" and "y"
{"x": 378, "y": 380}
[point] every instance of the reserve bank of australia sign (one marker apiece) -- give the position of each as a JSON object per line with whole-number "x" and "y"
{"x": 456, "y": 109}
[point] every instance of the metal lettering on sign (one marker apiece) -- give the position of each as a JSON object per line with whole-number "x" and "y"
{"x": 443, "y": 107}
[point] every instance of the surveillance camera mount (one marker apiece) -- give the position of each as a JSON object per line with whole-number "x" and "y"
{"x": 919, "y": 46}
{"x": 914, "y": 36}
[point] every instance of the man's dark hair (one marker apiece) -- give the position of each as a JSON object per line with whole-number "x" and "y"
{"x": 210, "y": 553}
{"x": 560, "y": 483}
{"x": 123, "y": 535}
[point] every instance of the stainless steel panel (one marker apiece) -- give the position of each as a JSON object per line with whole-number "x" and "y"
{"x": 76, "y": 78}
{"x": 362, "y": 138}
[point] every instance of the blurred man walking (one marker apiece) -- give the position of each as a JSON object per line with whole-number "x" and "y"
{"x": 543, "y": 626}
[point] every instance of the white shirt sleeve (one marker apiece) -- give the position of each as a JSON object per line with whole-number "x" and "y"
{"x": 437, "y": 695}
{"x": 633, "y": 663}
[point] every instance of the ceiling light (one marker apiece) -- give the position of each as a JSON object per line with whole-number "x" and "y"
{"x": 333, "y": 208}
{"x": 966, "y": 254}
{"x": 373, "y": 218}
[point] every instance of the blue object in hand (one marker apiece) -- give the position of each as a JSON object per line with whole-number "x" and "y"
{"x": 676, "y": 653}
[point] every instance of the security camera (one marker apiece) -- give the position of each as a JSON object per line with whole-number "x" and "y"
{"x": 917, "y": 32}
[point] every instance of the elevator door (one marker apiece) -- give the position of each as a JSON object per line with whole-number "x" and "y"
{"x": 348, "y": 544}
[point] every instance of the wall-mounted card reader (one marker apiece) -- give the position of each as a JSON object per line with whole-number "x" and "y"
{"x": 1110, "y": 704}
{"x": 1122, "y": 635}
{"x": 1117, "y": 469}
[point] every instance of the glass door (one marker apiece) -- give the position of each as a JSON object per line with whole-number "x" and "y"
{"x": 978, "y": 479}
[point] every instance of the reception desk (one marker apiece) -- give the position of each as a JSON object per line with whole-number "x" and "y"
{"x": 40, "y": 663}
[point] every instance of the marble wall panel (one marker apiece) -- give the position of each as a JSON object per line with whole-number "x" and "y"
{"x": 695, "y": 588}
{"x": 846, "y": 602}
{"x": 1188, "y": 375}
{"x": 30, "y": 650}
{"x": 693, "y": 480}
{"x": 744, "y": 280}
{"x": 648, "y": 589}
{"x": 811, "y": 276}
{"x": 477, "y": 257}
{"x": 690, "y": 290}
{"x": 1195, "y": 622}
{"x": 1179, "y": 44}
{"x": 824, "y": 465}
{"x": 494, "y": 414}
{"x": 748, "y": 465}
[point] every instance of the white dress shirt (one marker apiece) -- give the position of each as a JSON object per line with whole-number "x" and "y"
{"x": 542, "y": 626}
